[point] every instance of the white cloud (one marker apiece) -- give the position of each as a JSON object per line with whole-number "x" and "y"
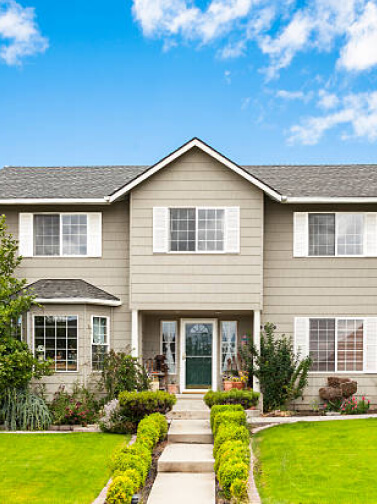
{"x": 227, "y": 76}
{"x": 360, "y": 52}
{"x": 293, "y": 95}
{"x": 358, "y": 111}
{"x": 19, "y": 33}
{"x": 327, "y": 100}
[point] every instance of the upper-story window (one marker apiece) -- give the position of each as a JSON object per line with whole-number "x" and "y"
{"x": 60, "y": 234}
{"x": 335, "y": 234}
{"x": 196, "y": 229}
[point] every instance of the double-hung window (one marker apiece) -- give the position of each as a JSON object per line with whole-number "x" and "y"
{"x": 338, "y": 344}
{"x": 196, "y": 229}
{"x": 60, "y": 234}
{"x": 55, "y": 338}
{"x": 100, "y": 341}
{"x": 335, "y": 234}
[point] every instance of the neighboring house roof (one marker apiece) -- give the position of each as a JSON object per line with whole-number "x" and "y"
{"x": 71, "y": 291}
{"x": 105, "y": 184}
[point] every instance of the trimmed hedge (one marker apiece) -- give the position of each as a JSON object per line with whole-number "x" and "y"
{"x": 134, "y": 406}
{"x": 130, "y": 464}
{"x": 231, "y": 450}
{"x": 246, "y": 398}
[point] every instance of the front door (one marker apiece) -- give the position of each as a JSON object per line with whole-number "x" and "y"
{"x": 199, "y": 354}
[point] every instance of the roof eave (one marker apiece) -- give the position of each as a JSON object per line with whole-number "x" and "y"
{"x": 331, "y": 199}
{"x": 55, "y": 201}
{"x": 77, "y": 301}
{"x": 195, "y": 142}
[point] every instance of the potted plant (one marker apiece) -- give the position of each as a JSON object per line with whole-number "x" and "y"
{"x": 237, "y": 381}
{"x": 173, "y": 386}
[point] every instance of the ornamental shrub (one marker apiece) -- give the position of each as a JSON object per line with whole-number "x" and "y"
{"x": 124, "y": 461}
{"x": 22, "y": 410}
{"x": 228, "y": 432}
{"x": 219, "y": 408}
{"x": 148, "y": 432}
{"x": 246, "y": 398}
{"x": 121, "y": 490}
{"x": 160, "y": 420}
{"x": 229, "y": 417}
{"x": 238, "y": 489}
{"x": 283, "y": 376}
{"x": 78, "y": 407}
{"x": 229, "y": 472}
{"x": 134, "y": 406}
{"x": 232, "y": 450}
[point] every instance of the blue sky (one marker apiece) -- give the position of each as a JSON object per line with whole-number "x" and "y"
{"x": 125, "y": 82}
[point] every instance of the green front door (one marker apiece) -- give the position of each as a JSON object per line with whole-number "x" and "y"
{"x": 199, "y": 340}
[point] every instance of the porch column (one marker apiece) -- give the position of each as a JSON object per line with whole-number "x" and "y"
{"x": 135, "y": 333}
{"x": 256, "y": 340}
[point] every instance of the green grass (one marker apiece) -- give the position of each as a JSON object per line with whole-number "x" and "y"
{"x": 54, "y": 468}
{"x": 331, "y": 462}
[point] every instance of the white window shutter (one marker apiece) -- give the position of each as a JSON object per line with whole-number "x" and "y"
{"x": 160, "y": 229}
{"x": 300, "y": 234}
{"x": 301, "y": 341}
{"x": 94, "y": 234}
{"x": 370, "y": 345}
{"x": 370, "y": 230}
{"x": 25, "y": 234}
{"x": 232, "y": 230}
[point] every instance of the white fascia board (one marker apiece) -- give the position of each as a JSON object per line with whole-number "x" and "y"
{"x": 73, "y": 301}
{"x": 336, "y": 199}
{"x": 54, "y": 201}
{"x": 208, "y": 150}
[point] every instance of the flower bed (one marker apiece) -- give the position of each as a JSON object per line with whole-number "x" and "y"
{"x": 231, "y": 450}
{"x": 130, "y": 464}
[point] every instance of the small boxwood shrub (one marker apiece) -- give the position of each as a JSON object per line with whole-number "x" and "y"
{"x": 134, "y": 406}
{"x": 231, "y": 450}
{"x": 246, "y": 398}
{"x": 130, "y": 464}
{"x": 223, "y": 407}
{"x": 233, "y": 417}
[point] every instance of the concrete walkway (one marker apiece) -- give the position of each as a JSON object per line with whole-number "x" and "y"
{"x": 185, "y": 468}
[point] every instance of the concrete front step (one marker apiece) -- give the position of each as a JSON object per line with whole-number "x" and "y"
{"x": 183, "y": 488}
{"x": 186, "y": 458}
{"x": 189, "y": 415}
{"x": 190, "y": 431}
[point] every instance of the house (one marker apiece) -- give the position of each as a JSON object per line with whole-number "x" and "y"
{"x": 188, "y": 255}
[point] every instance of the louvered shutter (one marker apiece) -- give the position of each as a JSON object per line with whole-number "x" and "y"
{"x": 370, "y": 346}
{"x": 370, "y": 229}
{"x": 95, "y": 234}
{"x": 300, "y": 234}
{"x": 301, "y": 341}
{"x": 25, "y": 234}
{"x": 160, "y": 229}
{"x": 232, "y": 230}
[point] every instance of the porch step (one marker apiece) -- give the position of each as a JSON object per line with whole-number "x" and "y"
{"x": 189, "y": 415}
{"x": 186, "y": 458}
{"x": 190, "y": 431}
{"x": 183, "y": 488}
{"x": 189, "y": 409}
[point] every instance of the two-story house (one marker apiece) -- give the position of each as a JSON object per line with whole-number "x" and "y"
{"x": 188, "y": 255}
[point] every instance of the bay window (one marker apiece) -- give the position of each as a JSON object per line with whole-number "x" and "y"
{"x": 56, "y": 338}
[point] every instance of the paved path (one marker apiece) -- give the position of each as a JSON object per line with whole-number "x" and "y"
{"x": 185, "y": 468}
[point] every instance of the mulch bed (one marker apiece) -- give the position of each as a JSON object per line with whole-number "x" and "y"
{"x": 144, "y": 493}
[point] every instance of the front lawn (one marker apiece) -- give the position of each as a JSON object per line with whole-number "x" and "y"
{"x": 331, "y": 462}
{"x": 54, "y": 468}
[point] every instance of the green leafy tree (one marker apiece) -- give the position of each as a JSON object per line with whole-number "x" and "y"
{"x": 282, "y": 375}
{"x": 17, "y": 363}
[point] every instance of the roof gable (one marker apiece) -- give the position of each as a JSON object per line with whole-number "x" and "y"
{"x": 195, "y": 142}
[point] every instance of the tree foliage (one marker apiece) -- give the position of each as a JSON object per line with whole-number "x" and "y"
{"x": 17, "y": 363}
{"x": 282, "y": 375}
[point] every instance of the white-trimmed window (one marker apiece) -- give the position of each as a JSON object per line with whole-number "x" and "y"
{"x": 228, "y": 345}
{"x": 60, "y": 234}
{"x": 56, "y": 338}
{"x": 100, "y": 341}
{"x": 169, "y": 343}
{"x": 338, "y": 344}
{"x": 335, "y": 234}
{"x": 196, "y": 229}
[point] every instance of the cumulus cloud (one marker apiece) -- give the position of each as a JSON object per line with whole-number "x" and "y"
{"x": 294, "y": 95}
{"x": 19, "y": 33}
{"x": 327, "y": 100}
{"x": 357, "y": 111}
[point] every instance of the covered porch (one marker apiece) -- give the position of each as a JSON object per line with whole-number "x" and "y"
{"x": 199, "y": 346}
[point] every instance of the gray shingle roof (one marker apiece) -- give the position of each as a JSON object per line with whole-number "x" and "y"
{"x": 65, "y": 182}
{"x": 100, "y": 181}
{"x": 75, "y": 289}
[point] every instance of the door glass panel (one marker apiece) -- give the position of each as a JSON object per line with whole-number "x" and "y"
{"x": 199, "y": 338}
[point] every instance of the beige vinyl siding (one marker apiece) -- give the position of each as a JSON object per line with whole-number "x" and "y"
{"x": 109, "y": 272}
{"x": 196, "y": 280}
{"x": 315, "y": 286}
